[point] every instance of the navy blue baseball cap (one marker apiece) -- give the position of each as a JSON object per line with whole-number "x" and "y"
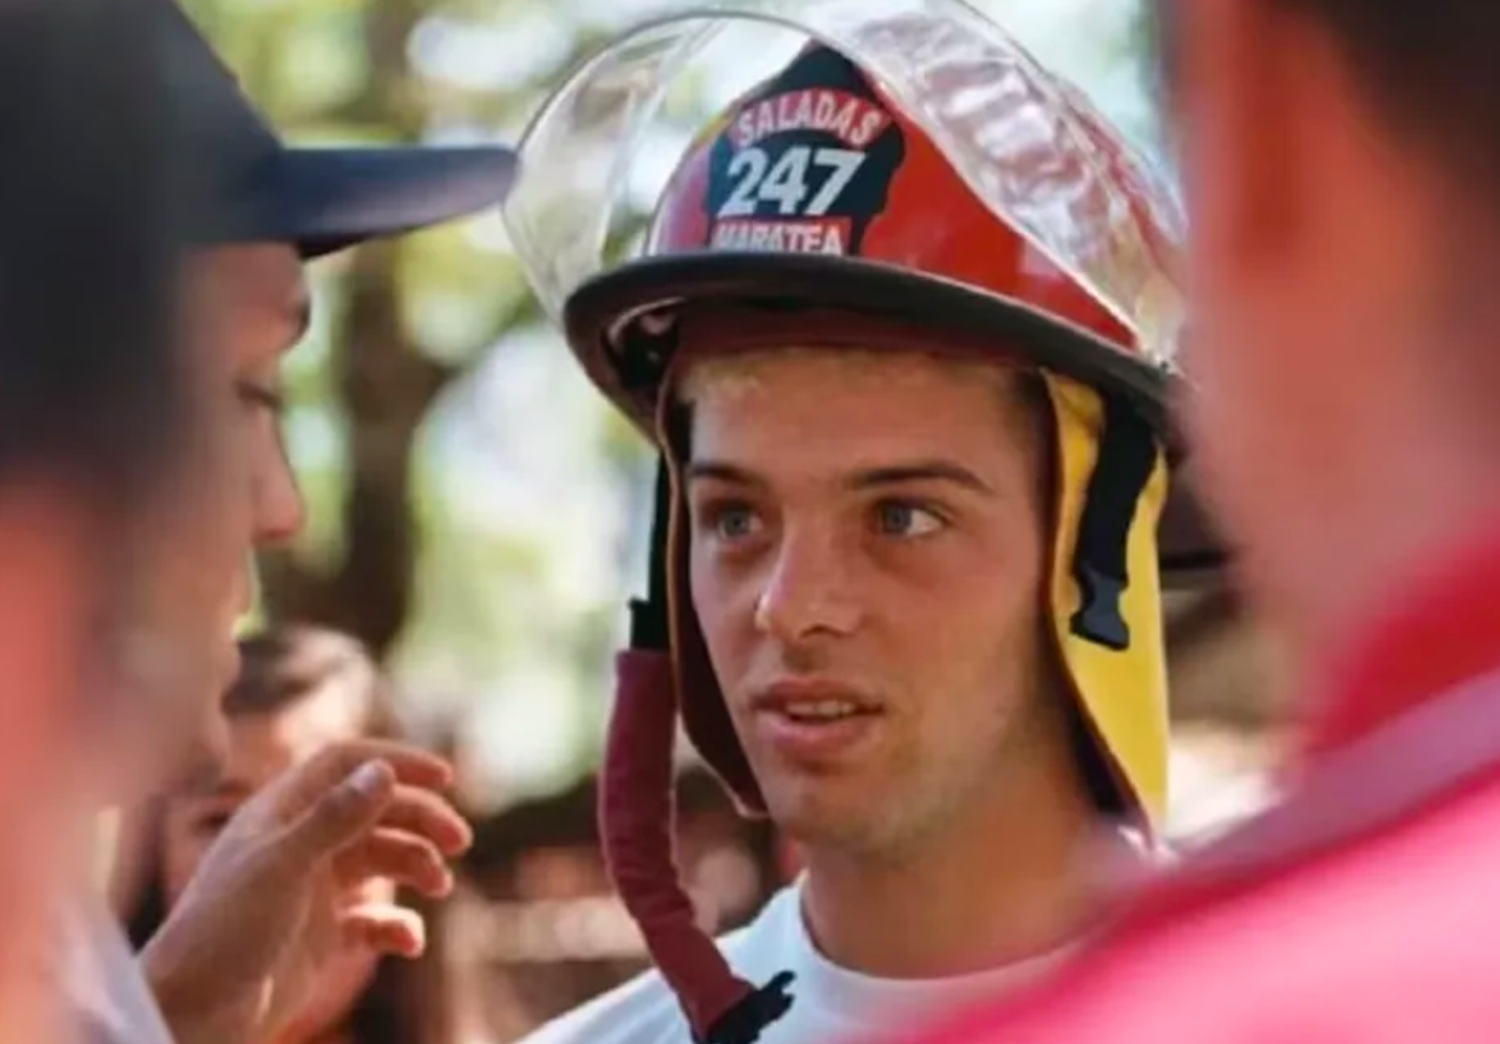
{"x": 319, "y": 199}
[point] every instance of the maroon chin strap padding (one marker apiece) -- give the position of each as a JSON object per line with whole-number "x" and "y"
{"x": 636, "y": 818}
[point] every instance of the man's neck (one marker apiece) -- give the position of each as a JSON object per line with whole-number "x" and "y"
{"x": 999, "y": 888}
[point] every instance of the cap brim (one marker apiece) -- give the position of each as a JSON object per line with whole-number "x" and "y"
{"x": 326, "y": 199}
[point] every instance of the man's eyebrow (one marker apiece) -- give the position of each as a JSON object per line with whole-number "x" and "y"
{"x": 863, "y": 479}
{"x": 723, "y": 471}
{"x": 919, "y": 471}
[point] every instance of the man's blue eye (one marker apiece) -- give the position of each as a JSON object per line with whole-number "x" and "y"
{"x": 736, "y": 523}
{"x": 900, "y": 518}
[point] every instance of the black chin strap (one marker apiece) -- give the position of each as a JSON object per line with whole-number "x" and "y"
{"x": 1127, "y": 455}
{"x": 648, "y": 616}
{"x": 746, "y": 1020}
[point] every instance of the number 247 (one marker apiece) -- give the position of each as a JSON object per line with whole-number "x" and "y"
{"x": 785, "y": 182}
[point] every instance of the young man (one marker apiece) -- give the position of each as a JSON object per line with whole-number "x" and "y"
{"x": 233, "y": 960}
{"x": 905, "y": 588}
{"x": 1341, "y": 160}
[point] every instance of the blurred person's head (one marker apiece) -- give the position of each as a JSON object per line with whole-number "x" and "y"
{"x": 1341, "y": 160}
{"x": 299, "y": 690}
{"x": 272, "y": 209}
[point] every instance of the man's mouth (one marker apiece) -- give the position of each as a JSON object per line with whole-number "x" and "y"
{"x": 821, "y": 710}
{"x": 814, "y": 700}
{"x": 814, "y": 720}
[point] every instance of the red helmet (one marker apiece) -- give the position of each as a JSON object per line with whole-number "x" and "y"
{"x": 816, "y": 188}
{"x": 916, "y": 181}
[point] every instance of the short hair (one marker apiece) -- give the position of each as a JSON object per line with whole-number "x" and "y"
{"x": 282, "y": 666}
{"x": 1430, "y": 65}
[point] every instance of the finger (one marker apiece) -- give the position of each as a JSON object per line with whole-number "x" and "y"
{"x": 385, "y": 929}
{"x": 338, "y": 816}
{"x": 412, "y": 766}
{"x": 426, "y": 814}
{"x": 404, "y": 858}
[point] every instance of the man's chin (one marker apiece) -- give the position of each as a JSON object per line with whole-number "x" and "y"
{"x": 820, "y": 813}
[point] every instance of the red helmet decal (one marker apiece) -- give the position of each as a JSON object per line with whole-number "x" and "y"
{"x": 805, "y": 164}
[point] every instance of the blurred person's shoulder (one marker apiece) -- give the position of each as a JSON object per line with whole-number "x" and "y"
{"x": 646, "y": 1011}
{"x": 1386, "y": 935}
{"x": 1361, "y": 907}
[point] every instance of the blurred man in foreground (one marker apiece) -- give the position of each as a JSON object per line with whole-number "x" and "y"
{"x": 231, "y": 964}
{"x": 1343, "y": 170}
{"x": 96, "y": 403}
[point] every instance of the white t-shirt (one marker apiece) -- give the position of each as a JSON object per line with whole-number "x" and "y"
{"x": 103, "y": 985}
{"x": 831, "y": 1003}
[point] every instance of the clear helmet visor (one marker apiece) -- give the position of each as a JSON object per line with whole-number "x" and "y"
{"x": 1028, "y": 146}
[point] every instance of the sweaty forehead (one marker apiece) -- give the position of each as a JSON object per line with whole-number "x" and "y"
{"x": 808, "y": 403}
{"x": 761, "y": 378}
{"x": 788, "y": 366}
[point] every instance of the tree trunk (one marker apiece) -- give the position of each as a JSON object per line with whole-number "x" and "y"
{"x": 387, "y": 388}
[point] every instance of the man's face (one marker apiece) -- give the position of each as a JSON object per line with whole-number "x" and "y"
{"x": 246, "y": 306}
{"x": 262, "y": 309}
{"x": 867, "y": 567}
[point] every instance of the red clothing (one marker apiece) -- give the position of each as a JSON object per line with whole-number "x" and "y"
{"x": 1364, "y": 909}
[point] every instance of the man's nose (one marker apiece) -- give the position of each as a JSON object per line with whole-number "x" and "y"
{"x": 280, "y": 512}
{"x": 808, "y": 590}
